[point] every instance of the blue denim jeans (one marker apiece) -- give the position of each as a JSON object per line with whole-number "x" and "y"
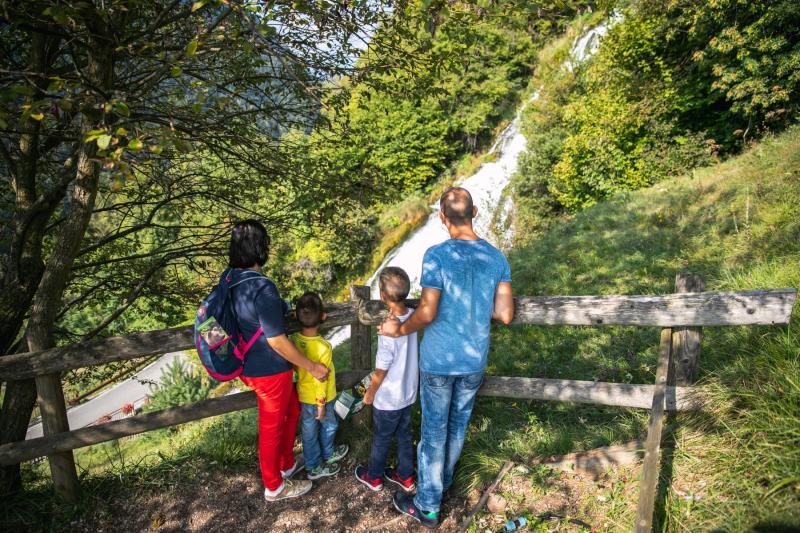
{"x": 317, "y": 435}
{"x": 446, "y": 408}
{"x": 387, "y": 425}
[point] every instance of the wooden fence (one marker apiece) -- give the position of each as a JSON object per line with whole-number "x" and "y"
{"x": 680, "y": 315}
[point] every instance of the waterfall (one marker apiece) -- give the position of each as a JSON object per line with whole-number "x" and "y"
{"x": 486, "y": 186}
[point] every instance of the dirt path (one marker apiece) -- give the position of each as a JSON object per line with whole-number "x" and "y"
{"x": 220, "y": 502}
{"x": 233, "y": 502}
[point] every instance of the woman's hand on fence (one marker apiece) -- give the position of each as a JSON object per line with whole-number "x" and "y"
{"x": 319, "y": 371}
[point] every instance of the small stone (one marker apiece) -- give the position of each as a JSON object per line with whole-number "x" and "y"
{"x": 496, "y": 504}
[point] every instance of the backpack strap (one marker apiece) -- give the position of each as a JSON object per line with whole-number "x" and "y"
{"x": 246, "y": 277}
{"x": 252, "y": 341}
{"x": 241, "y": 352}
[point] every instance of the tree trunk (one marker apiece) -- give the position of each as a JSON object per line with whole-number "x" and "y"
{"x": 49, "y": 294}
{"x": 28, "y": 283}
{"x": 18, "y": 402}
{"x": 24, "y": 268}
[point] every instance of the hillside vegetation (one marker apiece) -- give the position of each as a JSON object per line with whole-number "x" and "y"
{"x": 672, "y": 86}
{"x": 675, "y": 149}
{"x": 738, "y": 225}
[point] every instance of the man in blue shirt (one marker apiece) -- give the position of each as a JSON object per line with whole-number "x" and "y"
{"x": 466, "y": 282}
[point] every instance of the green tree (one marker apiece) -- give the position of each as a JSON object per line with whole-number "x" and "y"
{"x": 670, "y": 87}
{"x": 132, "y": 132}
{"x": 180, "y": 384}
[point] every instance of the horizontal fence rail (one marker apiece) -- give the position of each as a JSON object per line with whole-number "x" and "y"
{"x": 615, "y": 394}
{"x": 595, "y": 392}
{"x": 713, "y": 308}
{"x": 132, "y": 346}
{"x": 16, "y": 452}
{"x": 741, "y": 308}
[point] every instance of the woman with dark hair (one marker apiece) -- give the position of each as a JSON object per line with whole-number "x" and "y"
{"x": 268, "y": 364}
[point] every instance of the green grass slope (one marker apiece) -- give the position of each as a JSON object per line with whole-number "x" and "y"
{"x": 738, "y": 225}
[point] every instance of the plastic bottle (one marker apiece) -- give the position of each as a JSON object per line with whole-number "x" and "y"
{"x": 518, "y": 523}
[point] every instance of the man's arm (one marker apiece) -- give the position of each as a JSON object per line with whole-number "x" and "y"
{"x": 421, "y": 317}
{"x": 503, "y": 303}
{"x": 289, "y": 351}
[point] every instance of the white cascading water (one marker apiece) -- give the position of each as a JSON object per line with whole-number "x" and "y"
{"x": 486, "y": 186}
{"x": 586, "y": 45}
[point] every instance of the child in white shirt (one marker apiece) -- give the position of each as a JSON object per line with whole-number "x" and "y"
{"x": 392, "y": 393}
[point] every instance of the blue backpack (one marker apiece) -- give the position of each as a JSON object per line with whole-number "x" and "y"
{"x": 220, "y": 344}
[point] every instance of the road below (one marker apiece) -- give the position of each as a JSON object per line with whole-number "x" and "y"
{"x": 109, "y": 402}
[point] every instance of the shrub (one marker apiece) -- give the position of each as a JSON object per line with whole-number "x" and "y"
{"x": 180, "y": 384}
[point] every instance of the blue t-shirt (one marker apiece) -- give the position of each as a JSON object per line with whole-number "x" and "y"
{"x": 258, "y": 303}
{"x": 467, "y": 274}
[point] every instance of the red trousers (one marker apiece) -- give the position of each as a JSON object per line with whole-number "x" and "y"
{"x": 278, "y": 413}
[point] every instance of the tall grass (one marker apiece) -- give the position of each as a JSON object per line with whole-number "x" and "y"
{"x": 743, "y": 451}
{"x": 738, "y": 225}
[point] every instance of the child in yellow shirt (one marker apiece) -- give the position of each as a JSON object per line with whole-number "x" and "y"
{"x": 317, "y": 417}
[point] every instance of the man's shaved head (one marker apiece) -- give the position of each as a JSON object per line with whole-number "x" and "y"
{"x": 456, "y": 204}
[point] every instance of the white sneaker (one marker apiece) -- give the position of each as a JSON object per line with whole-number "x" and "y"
{"x": 290, "y": 489}
{"x": 299, "y": 464}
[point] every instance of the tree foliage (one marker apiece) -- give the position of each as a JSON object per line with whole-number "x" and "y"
{"x": 132, "y": 132}
{"x": 671, "y": 86}
{"x": 405, "y": 128}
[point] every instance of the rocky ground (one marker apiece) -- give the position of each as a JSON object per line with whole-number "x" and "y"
{"x": 225, "y": 502}
{"x": 233, "y": 502}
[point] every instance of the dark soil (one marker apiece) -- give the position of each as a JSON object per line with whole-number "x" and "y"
{"x": 234, "y": 502}
{"x": 195, "y": 496}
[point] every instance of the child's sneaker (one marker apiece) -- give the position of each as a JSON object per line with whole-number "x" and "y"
{"x": 291, "y": 489}
{"x": 390, "y": 474}
{"x": 362, "y": 474}
{"x": 330, "y": 468}
{"x": 298, "y": 466}
{"x": 339, "y": 451}
{"x": 404, "y": 503}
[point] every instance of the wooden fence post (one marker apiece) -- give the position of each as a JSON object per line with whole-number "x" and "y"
{"x": 360, "y": 335}
{"x": 686, "y": 341}
{"x": 678, "y": 358}
{"x": 361, "y": 350}
{"x": 54, "y": 420}
{"x": 647, "y": 488}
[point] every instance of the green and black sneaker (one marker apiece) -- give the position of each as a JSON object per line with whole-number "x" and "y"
{"x": 404, "y": 503}
{"x": 339, "y": 451}
{"x": 329, "y": 468}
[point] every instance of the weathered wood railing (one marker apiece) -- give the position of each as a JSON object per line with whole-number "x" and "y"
{"x": 681, "y": 315}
